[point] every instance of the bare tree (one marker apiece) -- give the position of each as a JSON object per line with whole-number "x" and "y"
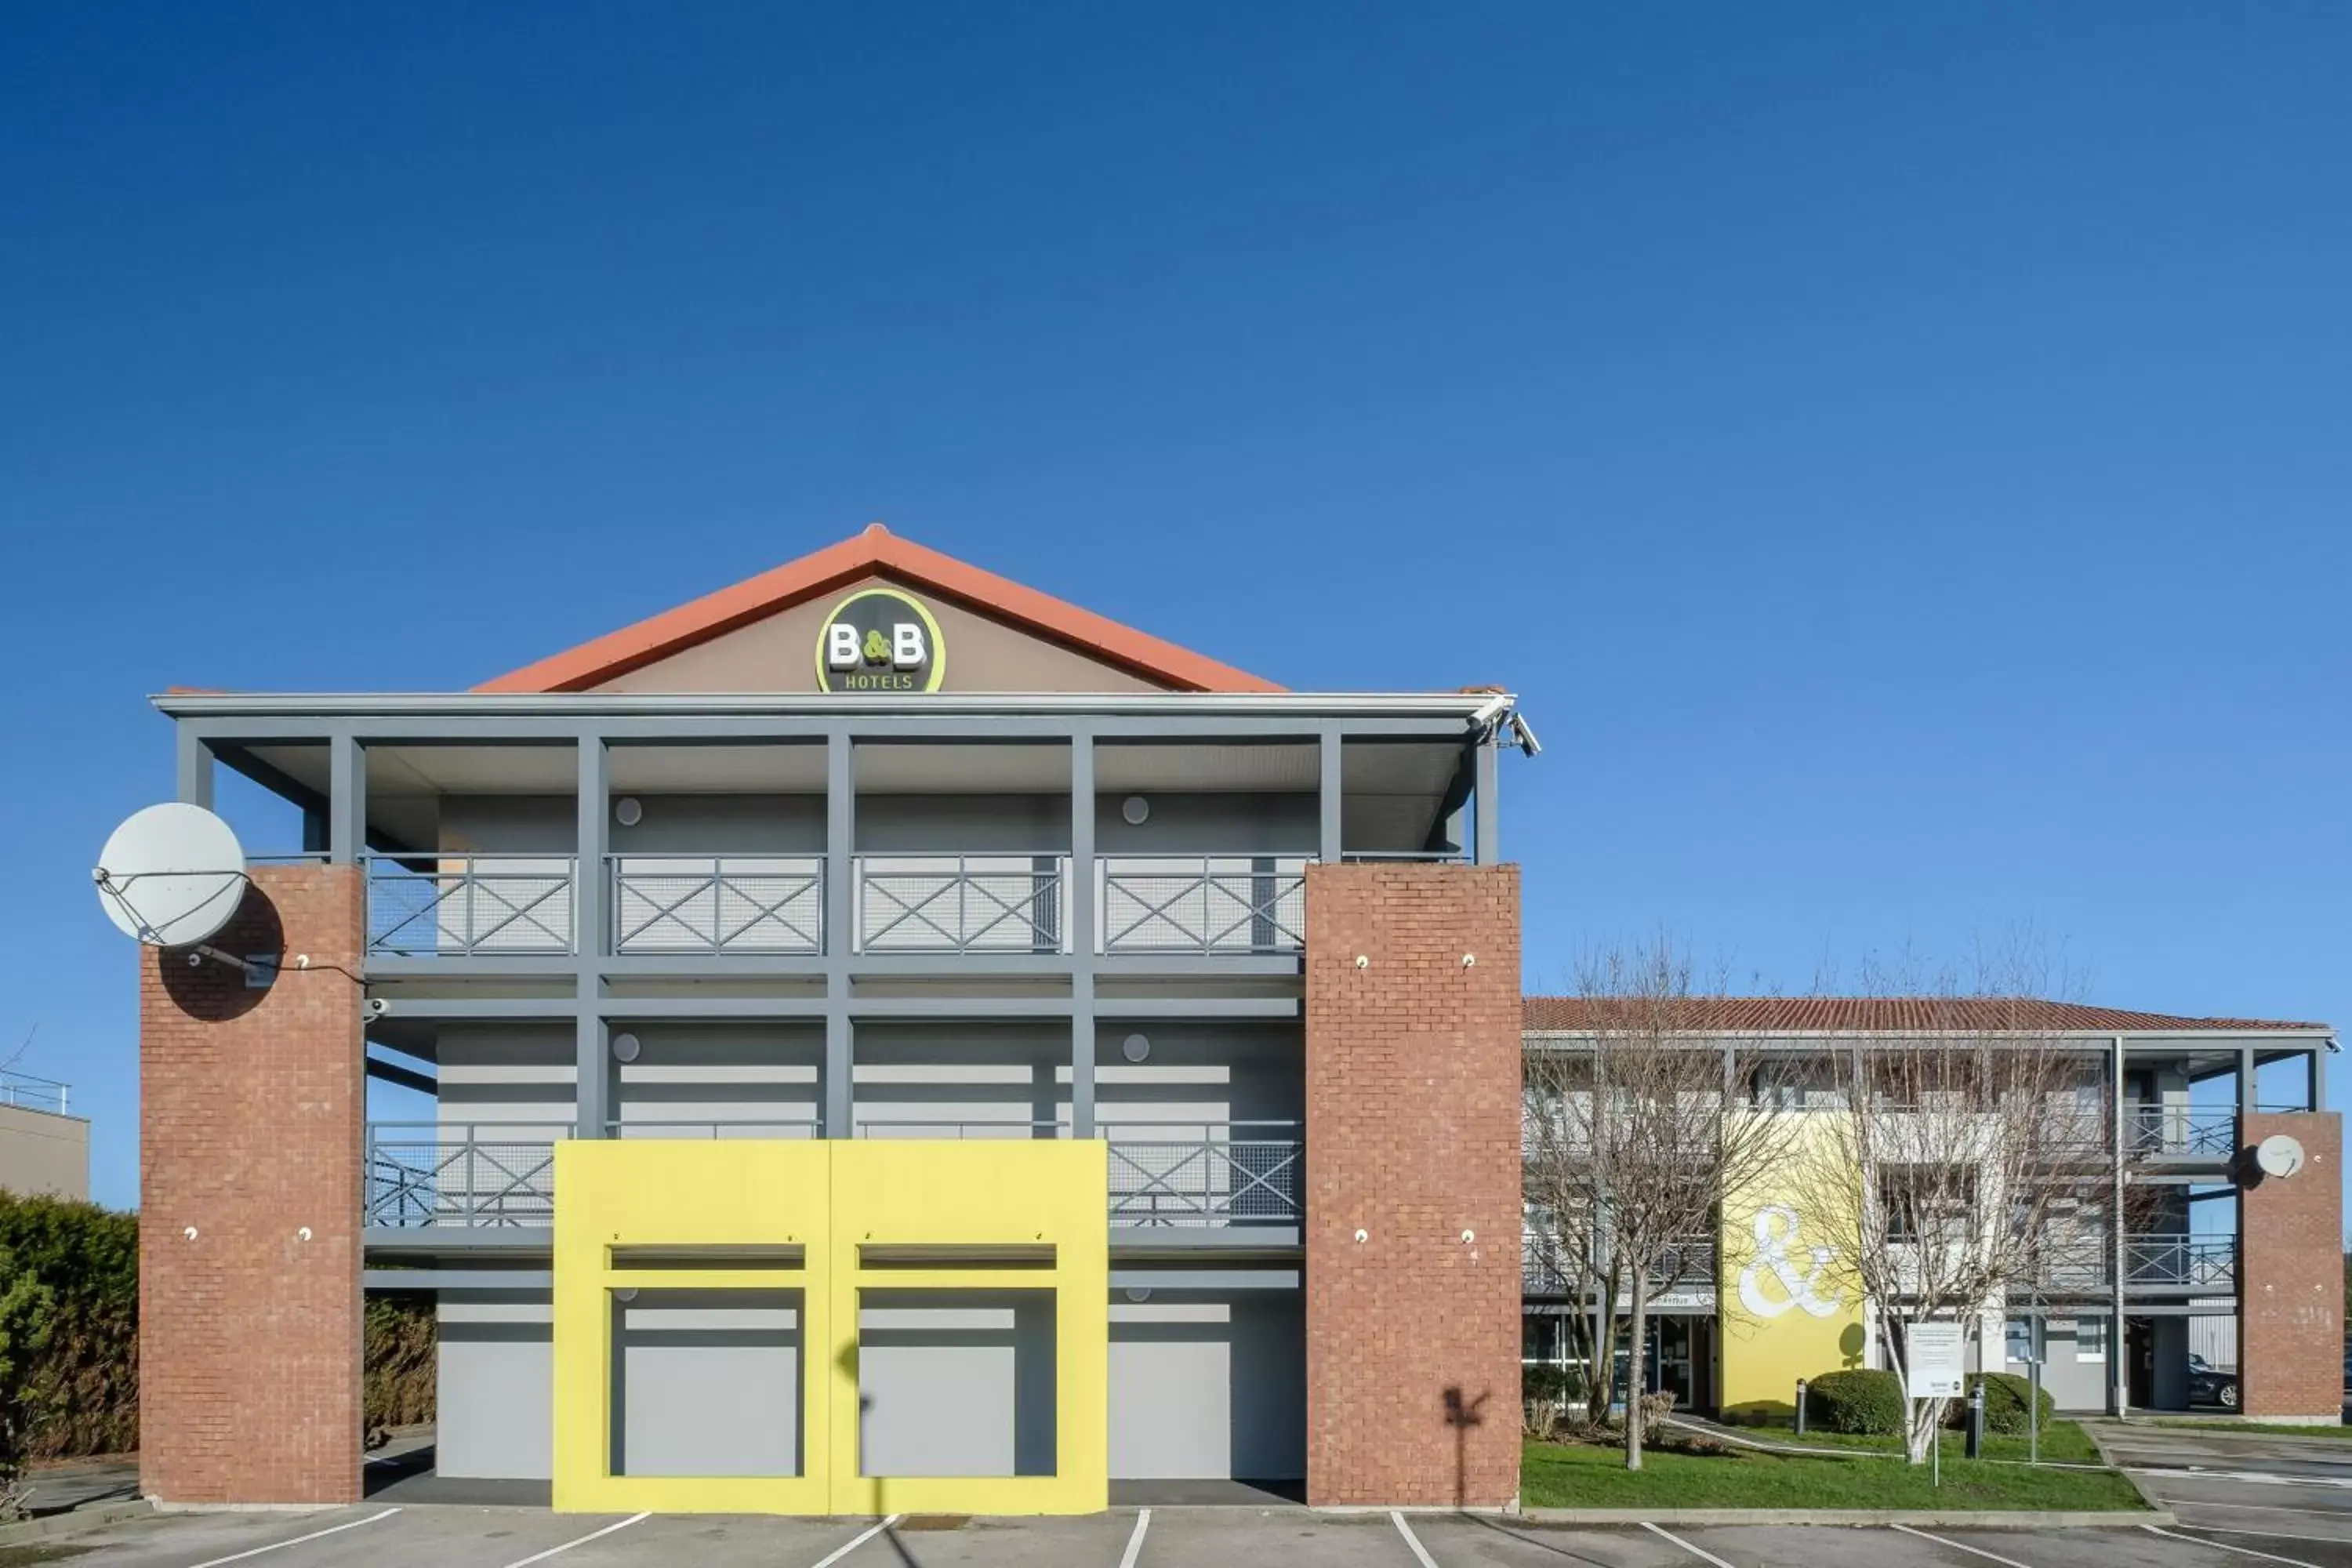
{"x": 1635, "y": 1127}
{"x": 1980, "y": 1139}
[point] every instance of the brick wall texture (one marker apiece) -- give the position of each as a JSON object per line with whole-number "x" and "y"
{"x": 251, "y": 1109}
{"x": 1413, "y": 1136}
{"x": 2291, "y": 1329}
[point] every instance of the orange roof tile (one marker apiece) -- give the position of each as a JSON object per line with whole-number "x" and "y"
{"x": 876, "y": 551}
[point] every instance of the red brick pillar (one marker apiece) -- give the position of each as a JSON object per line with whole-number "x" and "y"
{"x": 252, "y": 1102}
{"x": 2291, "y": 1274}
{"x": 1413, "y": 1138}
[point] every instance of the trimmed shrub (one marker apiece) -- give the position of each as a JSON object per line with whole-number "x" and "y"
{"x": 396, "y": 1387}
{"x": 79, "y": 1388}
{"x": 1859, "y": 1400}
{"x": 2005, "y": 1396}
{"x": 1547, "y": 1382}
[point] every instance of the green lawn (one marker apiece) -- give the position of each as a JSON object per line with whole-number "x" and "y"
{"x": 1560, "y": 1475}
{"x": 2060, "y": 1440}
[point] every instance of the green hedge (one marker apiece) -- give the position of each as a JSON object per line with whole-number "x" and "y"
{"x": 1544, "y": 1381}
{"x": 397, "y": 1385}
{"x": 1859, "y": 1400}
{"x": 80, "y": 1392}
{"x": 2005, "y": 1396}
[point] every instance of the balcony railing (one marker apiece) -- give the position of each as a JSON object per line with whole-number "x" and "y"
{"x": 717, "y": 904}
{"x": 451, "y": 1174}
{"x": 962, "y": 903}
{"x": 1543, "y": 1265}
{"x": 26, "y": 1093}
{"x": 1247, "y": 1174}
{"x": 468, "y": 905}
{"x": 2166, "y": 1261}
{"x": 731, "y": 1127}
{"x": 1201, "y": 903}
{"x": 1196, "y": 1176}
{"x": 2180, "y": 1132}
{"x": 2181, "y": 1262}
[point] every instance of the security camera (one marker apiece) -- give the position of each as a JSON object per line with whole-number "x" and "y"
{"x": 376, "y": 1006}
{"x": 1525, "y": 736}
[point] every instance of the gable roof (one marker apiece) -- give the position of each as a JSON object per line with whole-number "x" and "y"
{"x": 1897, "y": 1015}
{"x": 876, "y": 551}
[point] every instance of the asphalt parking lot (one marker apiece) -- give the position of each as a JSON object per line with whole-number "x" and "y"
{"x": 459, "y": 1537}
{"x": 2289, "y": 1497}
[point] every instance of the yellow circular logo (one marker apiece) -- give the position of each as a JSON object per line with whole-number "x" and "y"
{"x": 880, "y": 639}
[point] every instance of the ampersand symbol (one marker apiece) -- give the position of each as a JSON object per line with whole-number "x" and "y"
{"x": 1776, "y": 1227}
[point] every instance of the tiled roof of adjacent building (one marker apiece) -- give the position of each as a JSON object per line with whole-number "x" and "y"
{"x": 1891, "y": 1014}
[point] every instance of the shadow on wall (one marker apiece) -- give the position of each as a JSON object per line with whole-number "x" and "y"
{"x": 1462, "y": 1413}
{"x": 213, "y": 992}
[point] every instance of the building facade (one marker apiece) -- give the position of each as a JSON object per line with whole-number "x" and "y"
{"x": 44, "y": 1147}
{"x": 875, "y": 1037}
{"x": 2171, "y": 1274}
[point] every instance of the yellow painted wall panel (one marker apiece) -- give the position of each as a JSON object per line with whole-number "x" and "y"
{"x": 1791, "y": 1301}
{"x": 831, "y": 1198}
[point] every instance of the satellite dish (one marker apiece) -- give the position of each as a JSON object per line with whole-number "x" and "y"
{"x": 171, "y": 875}
{"x": 2279, "y": 1156}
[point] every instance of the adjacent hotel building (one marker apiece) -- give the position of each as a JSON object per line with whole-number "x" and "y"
{"x": 881, "y": 1039}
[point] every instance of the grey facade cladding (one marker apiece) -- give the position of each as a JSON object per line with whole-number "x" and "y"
{"x": 1207, "y": 1351}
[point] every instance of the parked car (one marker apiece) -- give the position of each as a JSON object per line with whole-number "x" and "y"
{"x": 2209, "y": 1386}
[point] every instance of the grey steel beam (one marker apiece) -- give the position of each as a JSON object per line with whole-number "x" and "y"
{"x": 1488, "y": 826}
{"x": 481, "y": 1009}
{"x": 840, "y": 929}
{"x": 833, "y": 707}
{"x": 457, "y": 1278}
{"x": 475, "y": 966}
{"x": 2246, "y": 1081}
{"x": 1198, "y": 1006}
{"x": 715, "y": 966}
{"x": 193, "y": 774}
{"x": 2118, "y": 1388}
{"x": 1204, "y": 1278}
{"x": 393, "y": 1072}
{"x": 1156, "y": 1240}
{"x": 593, "y": 1058}
{"x": 476, "y": 724}
{"x": 1330, "y": 785}
{"x": 1082, "y": 922}
{"x": 522, "y": 1241}
{"x": 346, "y": 800}
{"x": 1199, "y": 966}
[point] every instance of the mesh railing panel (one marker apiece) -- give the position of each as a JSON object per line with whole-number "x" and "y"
{"x": 430, "y": 1182}
{"x": 466, "y": 905}
{"x": 997, "y": 903}
{"x": 1205, "y": 1184}
{"x": 738, "y": 904}
{"x": 1224, "y": 904}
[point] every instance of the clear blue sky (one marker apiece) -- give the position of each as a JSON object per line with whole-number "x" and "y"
{"x": 1900, "y": 454}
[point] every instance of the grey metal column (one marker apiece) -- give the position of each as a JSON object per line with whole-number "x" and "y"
{"x": 346, "y": 800}
{"x": 1331, "y": 783}
{"x": 2317, "y": 1072}
{"x": 195, "y": 768}
{"x": 840, "y": 928}
{"x": 1489, "y": 809}
{"x": 2246, "y": 1106}
{"x": 592, "y": 1058}
{"x": 1081, "y": 929}
{"x": 2115, "y": 1366}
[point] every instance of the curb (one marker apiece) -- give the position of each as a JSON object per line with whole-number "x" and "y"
{"x": 1949, "y": 1519}
{"x": 2137, "y": 1485}
{"x": 73, "y": 1520}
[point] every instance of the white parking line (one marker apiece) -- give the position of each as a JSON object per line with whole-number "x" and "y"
{"x": 2265, "y": 1535}
{"x": 1962, "y": 1546}
{"x": 1701, "y": 1553}
{"x": 855, "y": 1542}
{"x": 2225, "y": 1546}
{"x": 552, "y": 1551}
{"x": 1420, "y": 1552}
{"x": 1135, "y": 1542}
{"x": 2252, "y": 1477}
{"x": 330, "y": 1530}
